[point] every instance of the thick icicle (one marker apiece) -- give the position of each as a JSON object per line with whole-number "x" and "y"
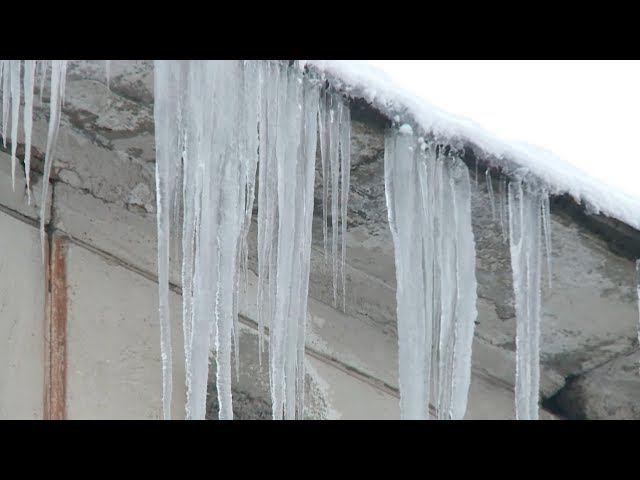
{"x": 29, "y": 82}
{"x": 15, "y": 116}
{"x": 58, "y": 75}
{"x": 288, "y": 142}
{"x": 323, "y": 131}
{"x": 335, "y": 112}
{"x": 492, "y": 199}
{"x": 267, "y": 120}
{"x": 546, "y": 224}
{"x": 502, "y": 208}
{"x": 295, "y": 170}
{"x": 167, "y": 87}
{"x": 43, "y": 77}
{"x": 525, "y": 224}
{"x": 6, "y": 97}
{"x": 335, "y": 152}
{"x": 227, "y": 119}
{"x": 429, "y": 207}
{"x": 107, "y": 73}
{"x": 345, "y": 168}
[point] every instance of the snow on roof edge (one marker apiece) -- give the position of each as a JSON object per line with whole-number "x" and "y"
{"x": 359, "y": 79}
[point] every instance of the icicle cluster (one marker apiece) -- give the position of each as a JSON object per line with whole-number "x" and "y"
{"x": 528, "y": 211}
{"x": 17, "y": 79}
{"x": 335, "y": 150}
{"x": 202, "y": 130}
{"x": 288, "y": 142}
{"x": 428, "y": 202}
{"x": 217, "y": 124}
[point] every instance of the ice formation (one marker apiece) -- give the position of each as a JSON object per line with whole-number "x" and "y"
{"x": 217, "y": 123}
{"x": 363, "y": 80}
{"x": 492, "y": 198}
{"x": 546, "y": 225}
{"x": 107, "y": 73}
{"x": 502, "y": 207}
{"x": 428, "y": 202}
{"x": 56, "y": 100}
{"x": 526, "y": 205}
{"x": 17, "y": 79}
{"x": 335, "y": 151}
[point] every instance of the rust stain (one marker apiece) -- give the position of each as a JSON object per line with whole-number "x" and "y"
{"x": 47, "y": 335}
{"x": 55, "y": 344}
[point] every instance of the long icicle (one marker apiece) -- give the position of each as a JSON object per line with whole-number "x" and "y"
{"x": 345, "y": 168}
{"x": 58, "y": 74}
{"x": 6, "y": 98}
{"x": 270, "y": 124}
{"x": 335, "y": 112}
{"x": 546, "y": 224}
{"x": 29, "y": 84}
{"x": 429, "y": 207}
{"x": 323, "y": 132}
{"x": 107, "y": 73}
{"x": 492, "y": 199}
{"x": 43, "y": 76}
{"x": 166, "y": 109}
{"x": 525, "y": 246}
{"x": 15, "y": 116}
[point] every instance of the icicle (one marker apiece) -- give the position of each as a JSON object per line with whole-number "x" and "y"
{"x": 239, "y": 117}
{"x": 288, "y": 141}
{"x": 476, "y": 173}
{"x": 107, "y": 73}
{"x": 546, "y": 223}
{"x": 428, "y": 202}
{"x": 266, "y": 120}
{"x": 490, "y": 192}
{"x": 6, "y": 98}
{"x": 334, "y": 125}
{"x": 323, "y": 123}
{"x": 345, "y": 155}
{"x": 524, "y": 236}
{"x": 15, "y": 116}
{"x": 29, "y": 81}
{"x": 502, "y": 209}
{"x": 58, "y": 74}
{"x": 167, "y": 88}
{"x": 43, "y": 77}
{"x": 13, "y": 84}
{"x": 334, "y": 163}
{"x": 309, "y": 144}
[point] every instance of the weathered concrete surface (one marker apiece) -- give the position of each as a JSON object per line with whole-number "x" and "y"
{"x": 609, "y": 392}
{"x": 370, "y": 273}
{"x": 113, "y": 342}
{"x": 22, "y": 322}
{"x": 103, "y": 183}
{"x": 15, "y": 200}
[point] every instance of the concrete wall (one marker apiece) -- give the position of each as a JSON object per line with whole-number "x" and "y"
{"x": 22, "y": 325}
{"x": 102, "y": 207}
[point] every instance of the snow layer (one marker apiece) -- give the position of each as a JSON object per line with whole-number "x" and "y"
{"x": 360, "y": 79}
